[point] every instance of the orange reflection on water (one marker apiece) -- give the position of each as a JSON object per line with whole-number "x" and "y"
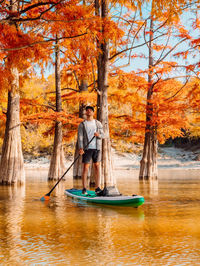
{"x": 164, "y": 231}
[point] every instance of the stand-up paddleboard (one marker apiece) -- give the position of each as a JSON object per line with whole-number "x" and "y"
{"x": 132, "y": 201}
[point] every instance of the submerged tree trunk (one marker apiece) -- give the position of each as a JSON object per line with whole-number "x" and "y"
{"x": 107, "y": 177}
{"x": 78, "y": 166}
{"x": 148, "y": 164}
{"x": 99, "y": 64}
{"x": 12, "y": 162}
{"x": 57, "y": 165}
{"x": 106, "y": 164}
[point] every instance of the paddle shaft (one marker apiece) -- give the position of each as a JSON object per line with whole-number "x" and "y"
{"x": 48, "y": 194}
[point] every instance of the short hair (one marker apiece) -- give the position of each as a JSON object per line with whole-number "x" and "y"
{"x": 89, "y": 107}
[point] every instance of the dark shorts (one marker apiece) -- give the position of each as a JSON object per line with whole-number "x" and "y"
{"x": 91, "y": 154}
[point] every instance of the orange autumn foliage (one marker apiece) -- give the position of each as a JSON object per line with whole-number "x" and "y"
{"x": 127, "y": 98}
{"x": 127, "y": 91}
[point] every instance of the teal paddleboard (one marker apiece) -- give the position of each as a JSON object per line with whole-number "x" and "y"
{"x": 132, "y": 201}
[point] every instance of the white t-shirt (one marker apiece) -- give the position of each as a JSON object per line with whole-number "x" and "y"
{"x": 91, "y": 128}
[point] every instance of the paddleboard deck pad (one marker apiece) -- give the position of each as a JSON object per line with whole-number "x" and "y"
{"x": 132, "y": 201}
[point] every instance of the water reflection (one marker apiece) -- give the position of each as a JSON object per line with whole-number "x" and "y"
{"x": 149, "y": 187}
{"x": 164, "y": 231}
{"x": 12, "y": 207}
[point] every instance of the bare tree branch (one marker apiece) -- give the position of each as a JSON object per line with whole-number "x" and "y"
{"x": 163, "y": 24}
{"x": 76, "y": 78}
{"x": 134, "y": 47}
{"x": 163, "y": 50}
{"x": 136, "y": 34}
{"x": 178, "y": 91}
{"x": 94, "y": 82}
{"x": 146, "y": 42}
{"x": 64, "y": 89}
{"x": 71, "y": 89}
{"x": 15, "y": 19}
{"x": 40, "y": 42}
{"x": 171, "y": 50}
{"x": 42, "y": 105}
{"x": 39, "y": 4}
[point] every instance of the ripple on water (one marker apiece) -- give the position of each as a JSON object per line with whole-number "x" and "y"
{"x": 164, "y": 231}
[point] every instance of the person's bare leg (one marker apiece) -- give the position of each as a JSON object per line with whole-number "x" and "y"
{"x": 97, "y": 174}
{"x": 84, "y": 174}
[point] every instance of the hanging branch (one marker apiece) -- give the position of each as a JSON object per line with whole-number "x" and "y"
{"x": 21, "y": 12}
{"x": 94, "y": 81}
{"x": 74, "y": 72}
{"x": 40, "y": 42}
{"x": 134, "y": 47}
{"x": 178, "y": 90}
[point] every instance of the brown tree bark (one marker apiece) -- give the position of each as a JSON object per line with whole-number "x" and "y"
{"x": 148, "y": 163}
{"x": 12, "y": 162}
{"x": 78, "y": 166}
{"x": 82, "y": 104}
{"x": 57, "y": 164}
{"x": 107, "y": 177}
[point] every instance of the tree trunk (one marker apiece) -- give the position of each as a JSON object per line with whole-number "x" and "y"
{"x": 107, "y": 177}
{"x": 106, "y": 164}
{"x": 57, "y": 165}
{"x": 82, "y": 104}
{"x": 148, "y": 164}
{"x": 12, "y": 162}
{"x": 78, "y": 166}
{"x": 99, "y": 64}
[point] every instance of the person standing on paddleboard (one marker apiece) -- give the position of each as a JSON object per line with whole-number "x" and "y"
{"x": 87, "y": 129}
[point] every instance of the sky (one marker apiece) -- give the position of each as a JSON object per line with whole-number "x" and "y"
{"x": 141, "y": 63}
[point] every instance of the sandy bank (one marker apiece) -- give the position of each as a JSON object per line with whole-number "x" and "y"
{"x": 172, "y": 158}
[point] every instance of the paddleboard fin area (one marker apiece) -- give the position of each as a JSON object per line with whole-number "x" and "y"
{"x": 111, "y": 191}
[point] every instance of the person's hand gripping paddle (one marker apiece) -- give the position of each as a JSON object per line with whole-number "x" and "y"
{"x": 47, "y": 196}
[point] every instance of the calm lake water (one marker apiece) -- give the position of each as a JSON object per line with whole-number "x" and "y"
{"x": 164, "y": 231}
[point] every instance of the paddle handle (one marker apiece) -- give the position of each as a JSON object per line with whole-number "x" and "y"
{"x": 48, "y": 194}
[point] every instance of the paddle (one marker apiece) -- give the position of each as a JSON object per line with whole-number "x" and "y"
{"x": 47, "y": 196}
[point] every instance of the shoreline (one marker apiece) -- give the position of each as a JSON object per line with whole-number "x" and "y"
{"x": 168, "y": 158}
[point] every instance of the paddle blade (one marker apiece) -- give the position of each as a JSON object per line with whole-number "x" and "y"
{"x": 46, "y": 197}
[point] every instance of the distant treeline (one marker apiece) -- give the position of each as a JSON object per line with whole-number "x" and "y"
{"x": 183, "y": 142}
